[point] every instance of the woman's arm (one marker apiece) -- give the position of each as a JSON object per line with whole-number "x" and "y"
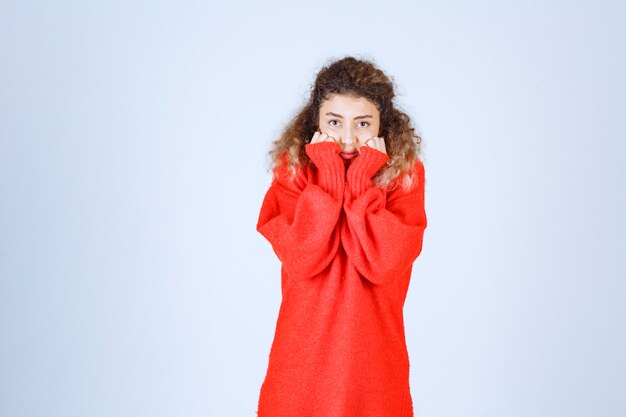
{"x": 383, "y": 233}
{"x": 300, "y": 218}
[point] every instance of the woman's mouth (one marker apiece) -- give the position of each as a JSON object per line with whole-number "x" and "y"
{"x": 348, "y": 155}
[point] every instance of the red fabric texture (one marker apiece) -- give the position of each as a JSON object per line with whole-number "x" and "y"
{"x": 347, "y": 250}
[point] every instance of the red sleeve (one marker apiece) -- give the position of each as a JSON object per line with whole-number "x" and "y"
{"x": 383, "y": 232}
{"x": 300, "y": 218}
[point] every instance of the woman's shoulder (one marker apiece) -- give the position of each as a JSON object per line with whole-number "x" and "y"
{"x": 410, "y": 182}
{"x": 290, "y": 174}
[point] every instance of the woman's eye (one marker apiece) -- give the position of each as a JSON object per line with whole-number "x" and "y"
{"x": 333, "y": 121}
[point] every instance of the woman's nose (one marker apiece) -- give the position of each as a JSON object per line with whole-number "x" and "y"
{"x": 348, "y": 137}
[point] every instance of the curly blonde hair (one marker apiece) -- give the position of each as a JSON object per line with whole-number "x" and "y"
{"x": 356, "y": 78}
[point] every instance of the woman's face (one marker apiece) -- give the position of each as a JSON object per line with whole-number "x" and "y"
{"x": 351, "y": 121}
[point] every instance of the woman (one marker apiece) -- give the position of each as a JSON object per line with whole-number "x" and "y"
{"x": 345, "y": 216}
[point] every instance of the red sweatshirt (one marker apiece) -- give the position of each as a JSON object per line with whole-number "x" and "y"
{"x": 347, "y": 249}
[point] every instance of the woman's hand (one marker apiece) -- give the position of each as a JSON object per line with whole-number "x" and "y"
{"x": 376, "y": 143}
{"x": 322, "y": 137}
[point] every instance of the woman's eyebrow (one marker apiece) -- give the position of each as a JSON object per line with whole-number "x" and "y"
{"x": 341, "y": 117}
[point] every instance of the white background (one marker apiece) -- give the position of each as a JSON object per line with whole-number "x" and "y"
{"x": 133, "y": 142}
